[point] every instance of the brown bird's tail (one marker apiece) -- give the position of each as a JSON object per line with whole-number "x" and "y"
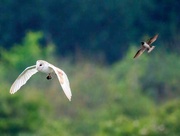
{"x": 151, "y": 48}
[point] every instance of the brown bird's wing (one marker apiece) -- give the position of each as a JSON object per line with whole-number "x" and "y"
{"x": 151, "y": 40}
{"x": 139, "y": 52}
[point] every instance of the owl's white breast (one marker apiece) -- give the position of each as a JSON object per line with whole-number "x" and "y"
{"x": 46, "y": 69}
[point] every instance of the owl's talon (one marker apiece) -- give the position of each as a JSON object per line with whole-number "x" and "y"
{"x": 49, "y": 77}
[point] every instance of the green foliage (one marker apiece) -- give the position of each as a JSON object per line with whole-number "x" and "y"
{"x": 168, "y": 117}
{"x": 162, "y": 76}
{"x": 23, "y": 55}
{"x": 54, "y": 127}
{"x": 140, "y": 116}
{"x": 21, "y": 113}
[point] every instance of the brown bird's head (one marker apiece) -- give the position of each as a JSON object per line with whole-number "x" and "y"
{"x": 142, "y": 43}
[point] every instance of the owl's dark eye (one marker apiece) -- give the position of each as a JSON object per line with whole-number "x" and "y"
{"x": 40, "y": 65}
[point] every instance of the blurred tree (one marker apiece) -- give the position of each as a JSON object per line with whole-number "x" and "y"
{"x": 164, "y": 121}
{"x": 168, "y": 118}
{"x": 21, "y": 113}
{"x": 162, "y": 76}
{"x": 17, "y": 17}
{"x": 23, "y": 55}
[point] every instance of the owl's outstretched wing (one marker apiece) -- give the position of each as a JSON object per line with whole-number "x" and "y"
{"x": 23, "y": 78}
{"x": 63, "y": 80}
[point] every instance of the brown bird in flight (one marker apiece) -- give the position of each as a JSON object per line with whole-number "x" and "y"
{"x": 146, "y": 46}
